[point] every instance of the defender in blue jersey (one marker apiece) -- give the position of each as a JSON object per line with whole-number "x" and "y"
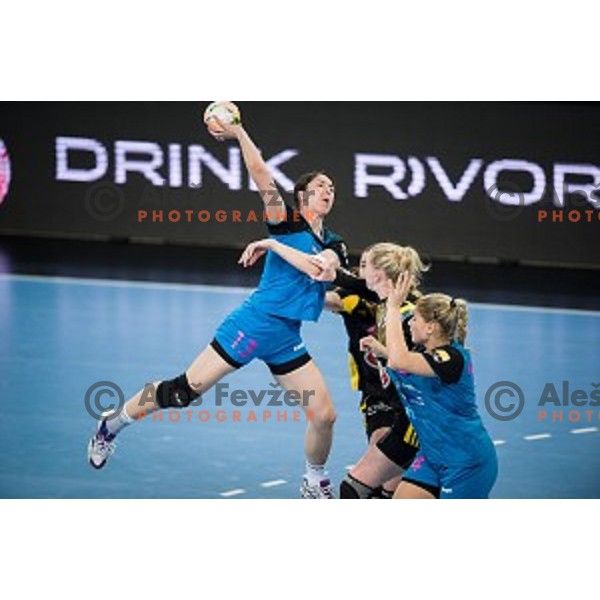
{"x": 267, "y": 325}
{"x": 457, "y": 458}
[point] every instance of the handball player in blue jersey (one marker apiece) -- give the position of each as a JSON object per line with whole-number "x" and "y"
{"x": 267, "y": 325}
{"x": 457, "y": 458}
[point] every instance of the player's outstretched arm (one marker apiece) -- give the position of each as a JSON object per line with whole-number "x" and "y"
{"x": 258, "y": 170}
{"x": 311, "y": 265}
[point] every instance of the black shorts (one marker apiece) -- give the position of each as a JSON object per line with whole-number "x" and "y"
{"x": 378, "y": 413}
{"x": 401, "y": 444}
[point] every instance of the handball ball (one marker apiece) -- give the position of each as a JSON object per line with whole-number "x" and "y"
{"x": 227, "y": 112}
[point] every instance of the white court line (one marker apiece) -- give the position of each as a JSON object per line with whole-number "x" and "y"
{"x": 539, "y": 436}
{"x": 232, "y": 493}
{"x": 274, "y": 483}
{"x": 535, "y": 309}
{"x": 215, "y": 289}
{"x": 499, "y": 442}
{"x": 125, "y": 283}
{"x": 350, "y": 467}
{"x": 585, "y": 430}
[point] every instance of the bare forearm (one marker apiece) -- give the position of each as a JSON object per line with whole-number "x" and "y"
{"x": 398, "y": 353}
{"x": 252, "y": 157}
{"x": 301, "y": 261}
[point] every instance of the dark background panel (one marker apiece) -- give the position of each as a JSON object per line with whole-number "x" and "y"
{"x": 327, "y": 135}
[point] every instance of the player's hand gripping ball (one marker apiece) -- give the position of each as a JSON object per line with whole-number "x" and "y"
{"x": 219, "y": 115}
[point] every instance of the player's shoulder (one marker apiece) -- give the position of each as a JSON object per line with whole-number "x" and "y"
{"x": 335, "y": 242}
{"x": 291, "y": 222}
{"x": 331, "y": 237}
{"x": 447, "y": 362}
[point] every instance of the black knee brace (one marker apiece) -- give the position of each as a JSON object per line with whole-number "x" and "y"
{"x": 176, "y": 393}
{"x": 352, "y": 489}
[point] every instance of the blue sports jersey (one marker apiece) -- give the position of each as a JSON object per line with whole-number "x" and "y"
{"x": 443, "y": 409}
{"x": 284, "y": 291}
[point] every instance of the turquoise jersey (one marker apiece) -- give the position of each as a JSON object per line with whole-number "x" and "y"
{"x": 284, "y": 291}
{"x": 443, "y": 409}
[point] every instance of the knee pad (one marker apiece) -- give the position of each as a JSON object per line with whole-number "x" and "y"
{"x": 352, "y": 489}
{"x": 176, "y": 393}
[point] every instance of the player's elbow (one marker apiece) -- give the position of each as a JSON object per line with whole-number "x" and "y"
{"x": 395, "y": 363}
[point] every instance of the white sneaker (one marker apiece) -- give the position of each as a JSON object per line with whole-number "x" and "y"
{"x": 321, "y": 491}
{"x": 101, "y": 446}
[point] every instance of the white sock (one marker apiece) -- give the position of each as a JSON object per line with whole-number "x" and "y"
{"x": 315, "y": 473}
{"x": 119, "y": 423}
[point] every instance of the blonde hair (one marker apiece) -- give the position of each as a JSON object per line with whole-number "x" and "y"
{"x": 393, "y": 260}
{"x": 451, "y": 314}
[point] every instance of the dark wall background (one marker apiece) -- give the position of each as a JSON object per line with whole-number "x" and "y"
{"x": 327, "y": 135}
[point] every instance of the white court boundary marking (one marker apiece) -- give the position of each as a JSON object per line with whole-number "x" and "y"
{"x": 213, "y": 289}
{"x": 216, "y": 289}
{"x": 527, "y": 438}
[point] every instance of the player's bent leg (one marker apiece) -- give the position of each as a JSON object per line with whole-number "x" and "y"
{"x": 374, "y": 469}
{"x": 179, "y": 392}
{"x": 410, "y": 491}
{"x": 316, "y": 401}
{"x": 353, "y": 489}
{"x": 387, "y": 489}
{"x": 208, "y": 369}
{"x": 309, "y": 385}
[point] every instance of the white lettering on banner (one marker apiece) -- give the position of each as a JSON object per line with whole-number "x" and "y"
{"x": 401, "y": 178}
{"x": 515, "y": 197}
{"x": 367, "y": 174}
{"x": 231, "y": 176}
{"x": 66, "y": 145}
{"x": 587, "y": 191}
{"x": 363, "y": 179}
{"x": 417, "y": 185}
{"x": 454, "y": 193}
{"x": 148, "y": 158}
{"x": 147, "y": 166}
{"x": 175, "y": 174}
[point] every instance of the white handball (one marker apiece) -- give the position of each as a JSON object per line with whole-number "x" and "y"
{"x": 227, "y": 112}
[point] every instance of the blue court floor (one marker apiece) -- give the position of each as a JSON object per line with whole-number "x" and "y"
{"x": 60, "y": 336}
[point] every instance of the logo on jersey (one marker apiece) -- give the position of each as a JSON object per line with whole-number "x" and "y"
{"x": 441, "y": 356}
{"x": 4, "y": 171}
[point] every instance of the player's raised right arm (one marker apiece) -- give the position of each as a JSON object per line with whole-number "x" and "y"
{"x": 258, "y": 170}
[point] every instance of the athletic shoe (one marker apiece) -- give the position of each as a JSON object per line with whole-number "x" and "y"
{"x": 101, "y": 446}
{"x": 321, "y": 491}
